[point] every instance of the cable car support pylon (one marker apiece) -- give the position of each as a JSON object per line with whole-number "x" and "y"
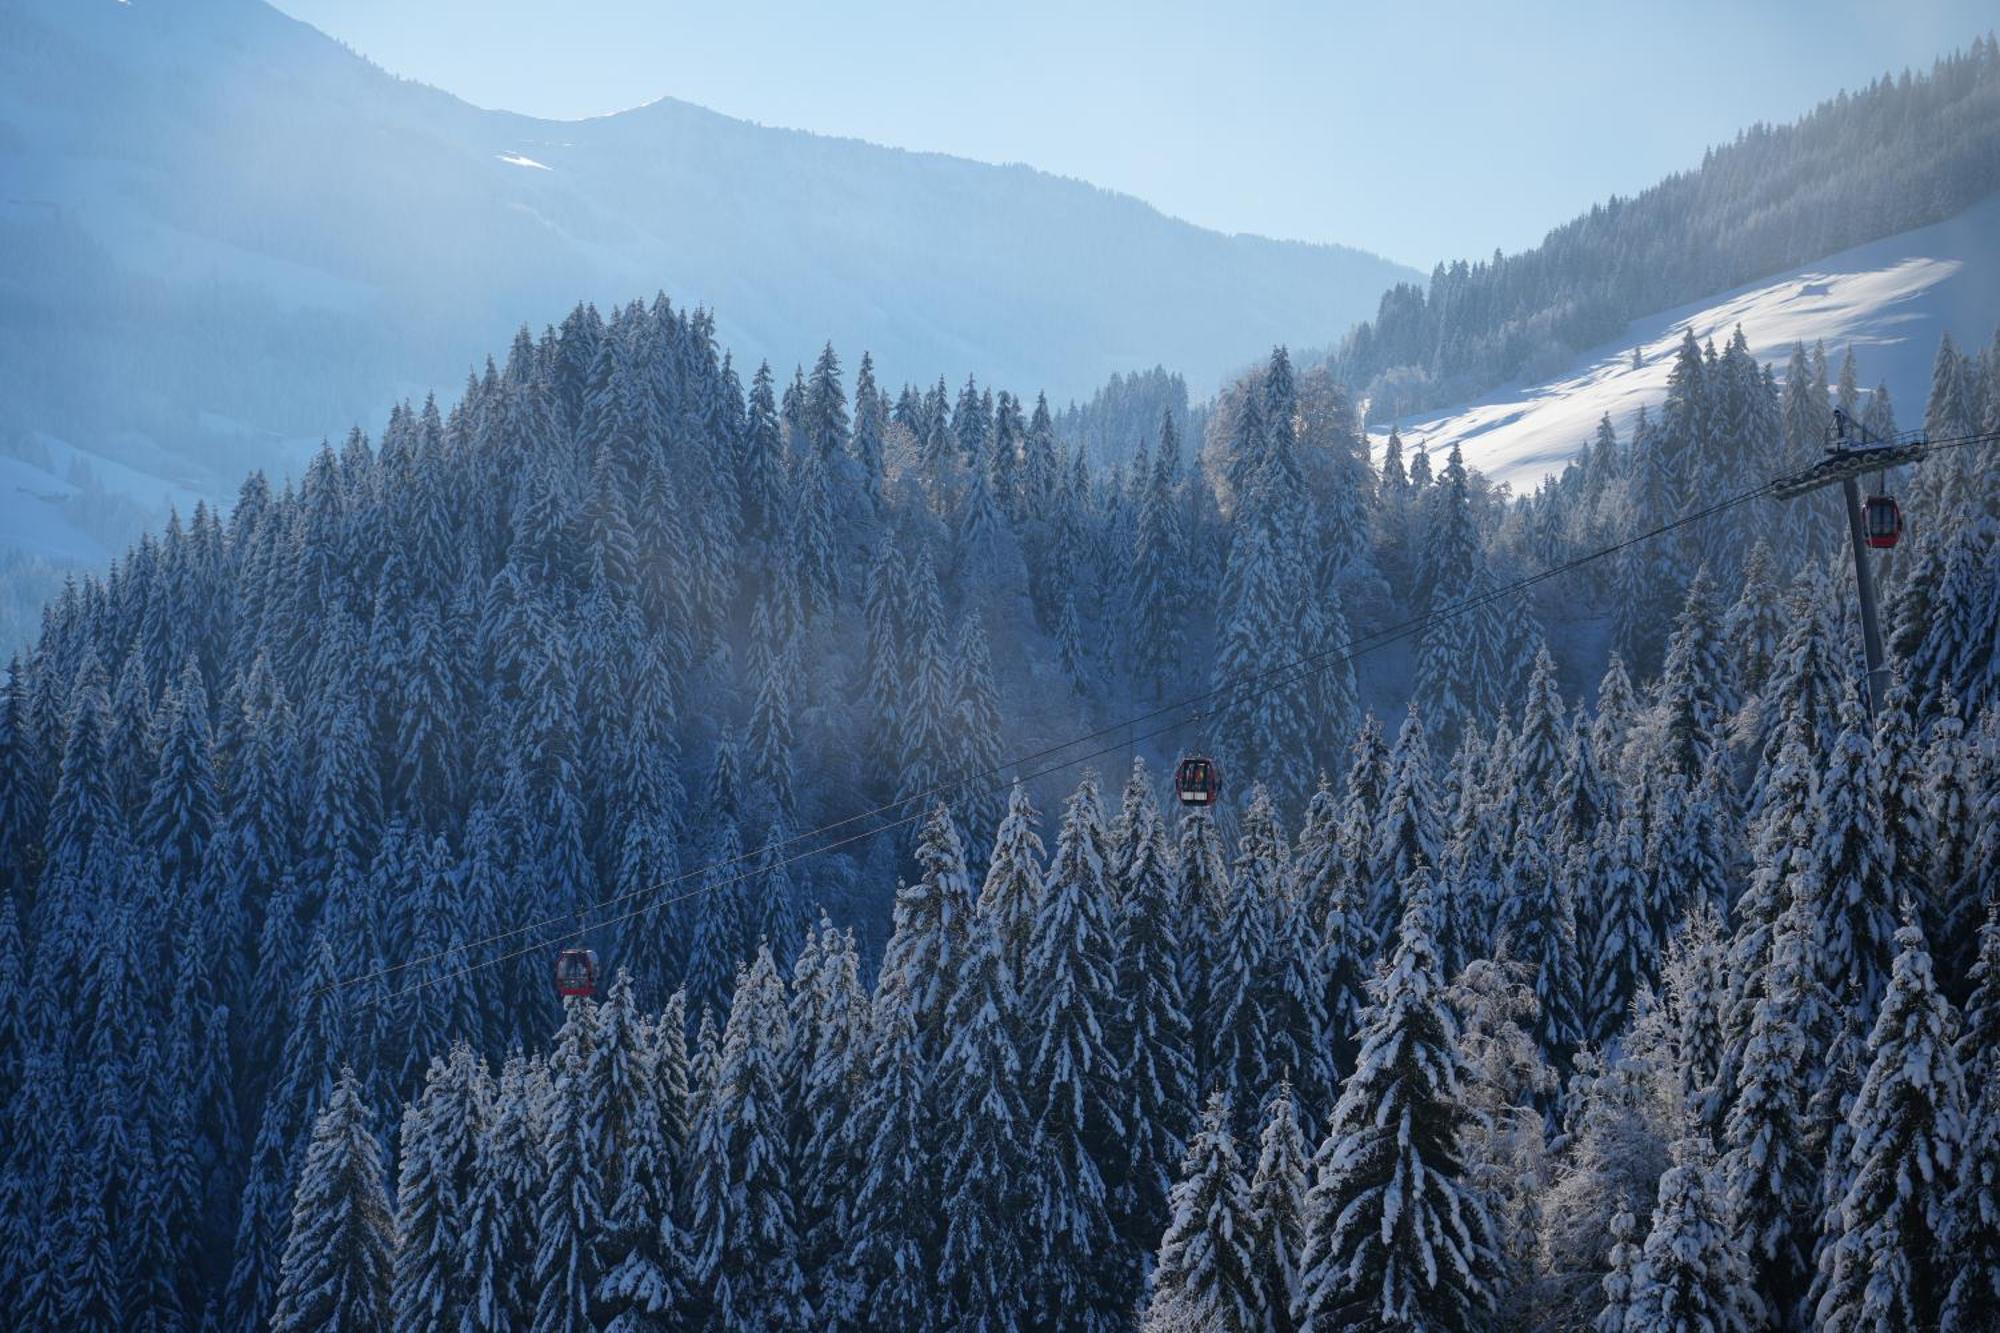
{"x": 1846, "y": 463}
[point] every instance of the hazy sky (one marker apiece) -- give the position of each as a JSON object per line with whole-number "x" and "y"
{"x": 1420, "y": 130}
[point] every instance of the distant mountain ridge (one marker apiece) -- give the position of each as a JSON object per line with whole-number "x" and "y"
{"x": 226, "y": 235}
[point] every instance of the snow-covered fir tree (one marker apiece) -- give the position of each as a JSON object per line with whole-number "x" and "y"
{"x": 1278, "y": 1187}
{"x": 1689, "y": 1276}
{"x": 1206, "y": 1275}
{"x": 1395, "y": 1234}
{"x": 336, "y": 1269}
{"x": 1887, "y": 1258}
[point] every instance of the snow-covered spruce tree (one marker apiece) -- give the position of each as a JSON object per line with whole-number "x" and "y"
{"x": 1507, "y": 1080}
{"x": 1368, "y": 778}
{"x": 1451, "y": 551}
{"x": 809, "y": 542}
{"x": 1689, "y": 1278}
{"x": 638, "y": 1251}
{"x": 771, "y": 732}
{"x": 926, "y": 714}
{"x": 983, "y": 552}
{"x": 1769, "y": 1178}
{"x": 1318, "y": 871}
{"x": 761, "y": 460}
{"x": 977, "y": 732}
{"x": 1324, "y": 886}
{"x": 702, "y": 1061}
{"x": 984, "y": 1125}
{"x": 744, "y": 1243}
{"x": 828, "y": 1051}
{"x": 1582, "y": 797}
{"x": 1693, "y": 981}
{"x": 1153, "y": 1028}
{"x": 336, "y": 1269}
{"x": 1696, "y": 691}
{"x": 498, "y": 1256}
{"x": 1691, "y": 847}
{"x": 1614, "y": 1152}
{"x": 1278, "y": 1212}
{"x": 889, "y": 1263}
{"x": 1649, "y": 578}
{"x": 1158, "y": 600}
{"x": 1781, "y": 837}
{"x": 1205, "y": 1276}
{"x": 1407, "y": 834}
{"x": 1886, "y": 1263}
{"x": 1012, "y": 893}
{"x": 1332, "y": 698}
{"x": 1852, "y": 858}
{"x": 1612, "y": 721}
{"x": 1954, "y": 647}
{"x": 1080, "y": 1276}
{"x": 439, "y": 1149}
{"x": 1538, "y": 754}
{"x": 1267, "y": 729}
{"x": 1538, "y": 929}
{"x": 1201, "y": 883}
{"x": 1623, "y": 948}
{"x": 1395, "y": 1234}
{"x": 1138, "y": 791}
{"x": 181, "y": 806}
{"x": 308, "y": 1073}
{"x": 1973, "y": 1300}
{"x": 1624, "y": 1269}
{"x": 1071, "y": 649}
{"x": 447, "y": 1010}
{"x": 1801, "y": 696}
{"x": 1948, "y": 811}
{"x": 571, "y": 1207}
{"x": 932, "y": 916}
{"x": 1296, "y": 996}
{"x": 881, "y": 685}
{"x": 1978, "y": 885}
{"x": 775, "y": 901}
{"x": 1472, "y": 865}
{"x": 1753, "y": 625}
{"x": 1898, "y": 780}
{"x": 1449, "y": 670}
{"x": 1237, "y": 1026}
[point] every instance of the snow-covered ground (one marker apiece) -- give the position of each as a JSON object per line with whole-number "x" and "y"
{"x": 1890, "y": 300}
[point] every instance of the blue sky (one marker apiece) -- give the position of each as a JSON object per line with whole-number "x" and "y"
{"x": 1423, "y": 130}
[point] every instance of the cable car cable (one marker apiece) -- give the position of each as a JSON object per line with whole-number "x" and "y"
{"x": 1288, "y": 673}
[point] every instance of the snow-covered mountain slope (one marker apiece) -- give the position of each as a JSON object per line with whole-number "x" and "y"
{"x": 1890, "y": 300}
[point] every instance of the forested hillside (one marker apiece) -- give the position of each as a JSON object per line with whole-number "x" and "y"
{"x": 1905, "y": 151}
{"x": 1553, "y": 980}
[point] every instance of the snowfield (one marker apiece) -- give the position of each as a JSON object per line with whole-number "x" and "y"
{"x": 1890, "y": 300}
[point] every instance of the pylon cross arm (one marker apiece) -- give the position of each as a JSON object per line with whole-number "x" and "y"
{"x": 1841, "y": 464}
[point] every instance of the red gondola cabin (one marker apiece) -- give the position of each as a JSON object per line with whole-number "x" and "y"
{"x": 1883, "y": 522}
{"x": 1197, "y": 781}
{"x": 576, "y": 972}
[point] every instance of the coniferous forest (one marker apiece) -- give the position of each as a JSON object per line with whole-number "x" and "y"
{"x": 1579, "y": 955}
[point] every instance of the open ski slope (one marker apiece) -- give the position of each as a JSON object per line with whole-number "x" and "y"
{"x": 1890, "y": 300}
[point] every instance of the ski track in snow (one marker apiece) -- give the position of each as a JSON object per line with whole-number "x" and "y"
{"x": 1890, "y": 300}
